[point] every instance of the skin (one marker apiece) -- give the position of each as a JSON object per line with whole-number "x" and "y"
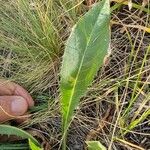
{"x": 14, "y": 101}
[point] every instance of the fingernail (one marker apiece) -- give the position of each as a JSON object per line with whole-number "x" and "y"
{"x": 19, "y": 106}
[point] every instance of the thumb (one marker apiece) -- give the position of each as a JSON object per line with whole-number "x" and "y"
{"x": 11, "y": 107}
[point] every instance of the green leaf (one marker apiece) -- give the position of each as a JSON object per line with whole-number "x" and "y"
{"x": 10, "y": 130}
{"x": 84, "y": 54}
{"x": 8, "y": 146}
{"x": 33, "y": 146}
{"x": 95, "y": 145}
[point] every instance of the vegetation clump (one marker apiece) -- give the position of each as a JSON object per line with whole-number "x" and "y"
{"x": 115, "y": 108}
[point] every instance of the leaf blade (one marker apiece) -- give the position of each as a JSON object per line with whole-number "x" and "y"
{"x": 83, "y": 57}
{"x": 10, "y": 130}
{"x": 33, "y": 146}
{"x": 95, "y": 145}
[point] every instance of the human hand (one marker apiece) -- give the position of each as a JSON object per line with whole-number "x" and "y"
{"x": 14, "y": 100}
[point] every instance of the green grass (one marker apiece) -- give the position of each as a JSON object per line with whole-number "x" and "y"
{"x": 115, "y": 110}
{"x": 34, "y": 32}
{"x": 30, "y": 39}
